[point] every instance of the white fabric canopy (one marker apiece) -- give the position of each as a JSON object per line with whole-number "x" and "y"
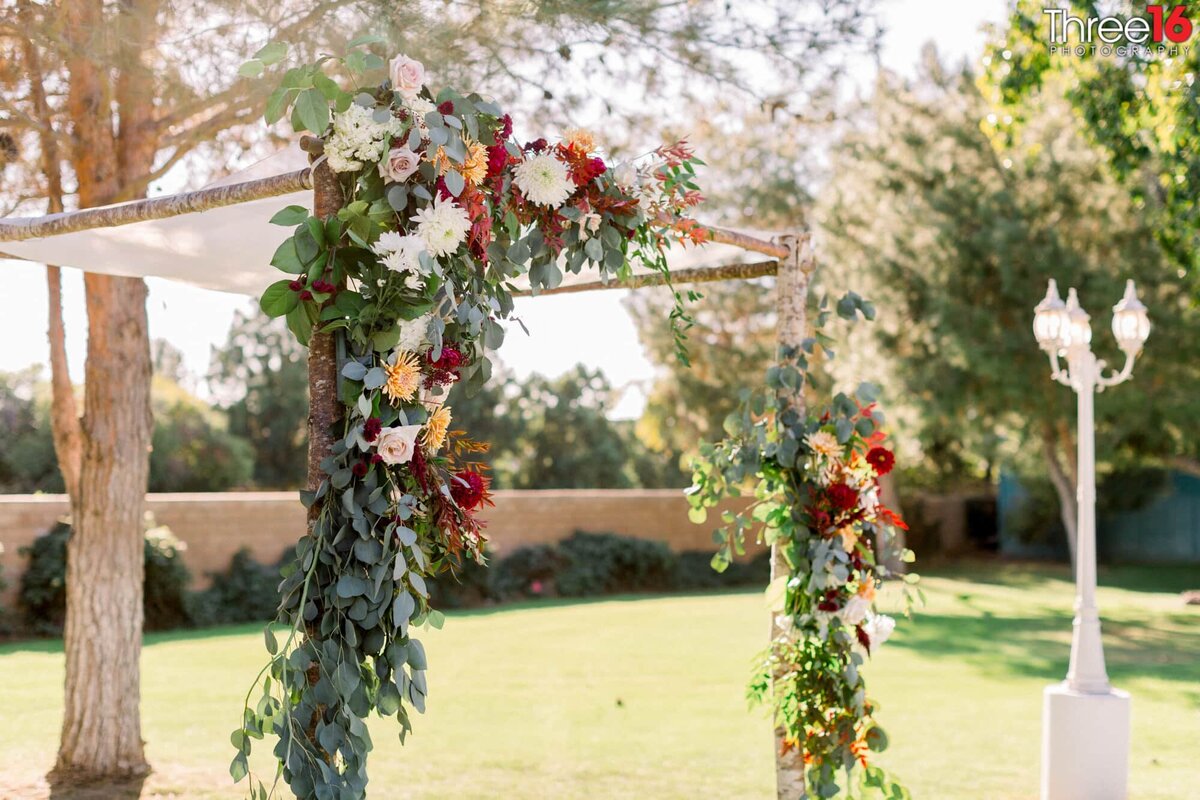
{"x": 229, "y": 249}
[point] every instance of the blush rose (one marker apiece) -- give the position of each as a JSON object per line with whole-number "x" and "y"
{"x": 396, "y": 445}
{"x": 399, "y": 164}
{"x": 408, "y": 75}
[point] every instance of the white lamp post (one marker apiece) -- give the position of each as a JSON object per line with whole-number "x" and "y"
{"x": 1085, "y": 730}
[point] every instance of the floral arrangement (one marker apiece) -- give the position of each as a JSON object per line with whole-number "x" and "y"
{"x": 443, "y": 209}
{"x": 816, "y": 499}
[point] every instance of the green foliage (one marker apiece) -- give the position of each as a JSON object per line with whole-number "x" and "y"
{"x": 43, "y": 593}
{"x": 410, "y": 316}
{"x": 244, "y": 592}
{"x": 1141, "y": 111}
{"x": 528, "y": 571}
{"x": 260, "y": 379}
{"x": 27, "y": 460}
{"x": 814, "y": 479}
{"x": 688, "y": 405}
{"x": 956, "y": 232}
{"x": 192, "y": 449}
{"x": 604, "y": 563}
{"x": 567, "y": 440}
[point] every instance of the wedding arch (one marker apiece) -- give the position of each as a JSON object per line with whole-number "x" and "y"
{"x": 426, "y": 220}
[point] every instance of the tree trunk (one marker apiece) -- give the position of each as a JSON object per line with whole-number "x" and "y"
{"x": 791, "y": 289}
{"x": 101, "y": 730}
{"x": 1064, "y": 486}
{"x": 101, "y": 733}
{"x": 64, "y": 415}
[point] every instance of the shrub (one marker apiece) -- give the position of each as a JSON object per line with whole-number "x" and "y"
{"x": 465, "y": 586}
{"x": 245, "y": 592}
{"x": 603, "y": 563}
{"x": 693, "y": 571}
{"x": 43, "y": 595}
{"x": 529, "y": 571}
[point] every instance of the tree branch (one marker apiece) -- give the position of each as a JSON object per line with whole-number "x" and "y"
{"x": 66, "y": 430}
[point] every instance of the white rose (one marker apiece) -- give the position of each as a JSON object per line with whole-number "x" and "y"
{"x": 399, "y": 164}
{"x": 855, "y": 611}
{"x": 408, "y": 75}
{"x": 878, "y": 629}
{"x": 396, "y": 445}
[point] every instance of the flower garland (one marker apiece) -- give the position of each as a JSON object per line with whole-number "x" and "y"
{"x": 442, "y": 210}
{"x": 816, "y": 493}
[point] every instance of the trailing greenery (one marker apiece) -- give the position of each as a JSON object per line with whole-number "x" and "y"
{"x": 814, "y": 477}
{"x": 441, "y": 211}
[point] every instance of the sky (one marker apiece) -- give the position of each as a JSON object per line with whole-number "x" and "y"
{"x": 601, "y": 333}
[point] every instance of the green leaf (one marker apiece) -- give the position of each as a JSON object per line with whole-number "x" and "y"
{"x": 251, "y": 69}
{"x": 313, "y": 110}
{"x": 290, "y": 217}
{"x": 286, "y": 259}
{"x": 277, "y": 103}
{"x": 278, "y": 299}
{"x": 300, "y": 323}
{"x": 269, "y": 639}
{"x": 366, "y": 38}
{"x": 239, "y": 768}
{"x": 272, "y": 53}
{"x": 455, "y": 183}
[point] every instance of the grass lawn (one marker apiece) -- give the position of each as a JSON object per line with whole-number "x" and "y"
{"x": 643, "y": 697}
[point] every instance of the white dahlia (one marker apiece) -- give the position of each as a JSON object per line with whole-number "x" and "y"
{"x": 443, "y": 226}
{"x": 400, "y": 253}
{"x": 413, "y": 335}
{"x": 543, "y": 180}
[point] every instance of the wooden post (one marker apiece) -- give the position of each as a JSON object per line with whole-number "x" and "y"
{"x": 324, "y": 406}
{"x": 791, "y": 293}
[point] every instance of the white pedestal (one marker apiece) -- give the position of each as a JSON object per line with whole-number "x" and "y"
{"x": 1085, "y": 744}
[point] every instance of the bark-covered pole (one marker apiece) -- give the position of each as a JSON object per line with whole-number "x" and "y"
{"x": 791, "y": 297}
{"x": 324, "y": 407}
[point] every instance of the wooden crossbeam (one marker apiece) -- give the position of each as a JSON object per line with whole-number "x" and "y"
{"x": 726, "y": 272}
{"x": 16, "y": 230}
{"x": 155, "y": 207}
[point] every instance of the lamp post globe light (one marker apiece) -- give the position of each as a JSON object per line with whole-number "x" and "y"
{"x": 1085, "y": 722}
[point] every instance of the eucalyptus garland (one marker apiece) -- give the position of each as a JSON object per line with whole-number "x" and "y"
{"x": 443, "y": 211}
{"x": 816, "y": 491}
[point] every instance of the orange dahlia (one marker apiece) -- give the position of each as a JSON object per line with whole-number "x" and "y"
{"x": 436, "y": 428}
{"x": 403, "y": 377}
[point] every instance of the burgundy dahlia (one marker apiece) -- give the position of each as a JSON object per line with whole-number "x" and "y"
{"x": 881, "y": 459}
{"x": 306, "y": 295}
{"x": 296, "y": 285}
{"x": 360, "y": 469}
{"x": 842, "y": 497}
{"x": 497, "y": 160}
{"x": 467, "y": 489}
{"x": 371, "y": 428}
{"x": 505, "y": 130}
{"x": 450, "y": 359}
{"x": 446, "y": 107}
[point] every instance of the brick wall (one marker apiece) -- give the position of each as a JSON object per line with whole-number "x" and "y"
{"x": 214, "y": 526}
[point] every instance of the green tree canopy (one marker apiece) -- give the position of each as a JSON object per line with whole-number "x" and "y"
{"x": 955, "y": 233}
{"x": 260, "y": 378}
